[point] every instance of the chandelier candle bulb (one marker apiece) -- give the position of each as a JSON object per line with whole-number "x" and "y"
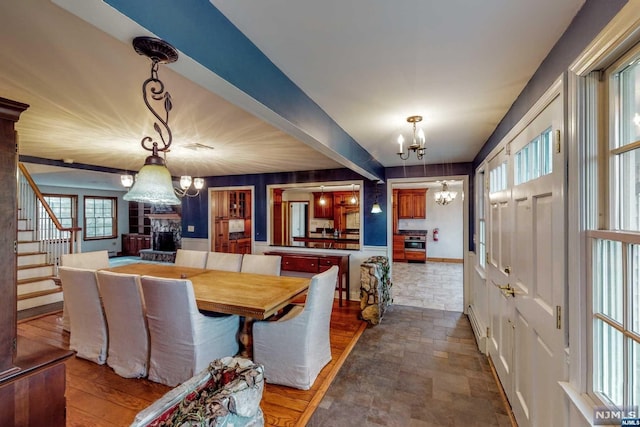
{"x": 198, "y": 183}
{"x": 185, "y": 182}
{"x": 415, "y": 146}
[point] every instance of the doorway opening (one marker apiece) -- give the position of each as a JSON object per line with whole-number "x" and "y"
{"x": 299, "y": 218}
{"x": 428, "y": 245}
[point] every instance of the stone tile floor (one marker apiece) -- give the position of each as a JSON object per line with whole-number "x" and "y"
{"x": 437, "y": 285}
{"x": 418, "y": 367}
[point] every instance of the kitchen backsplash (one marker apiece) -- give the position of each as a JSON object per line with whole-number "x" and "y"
{"x": 413, "y": 224}
{"x": 236, "y": 226}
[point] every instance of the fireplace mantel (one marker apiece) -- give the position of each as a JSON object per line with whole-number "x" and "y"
{"x": 171, "y": 215}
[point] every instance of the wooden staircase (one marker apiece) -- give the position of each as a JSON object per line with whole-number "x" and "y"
{"x": 37, "y": 282}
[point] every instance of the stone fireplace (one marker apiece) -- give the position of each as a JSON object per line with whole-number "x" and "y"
{"x": 163, "y": 241}
{"x": 166, "y": 235}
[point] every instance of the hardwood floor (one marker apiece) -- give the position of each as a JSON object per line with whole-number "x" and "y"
{"x": 97, "y": 396}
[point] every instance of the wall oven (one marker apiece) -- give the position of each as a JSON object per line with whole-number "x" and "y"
{"x": 415, "y": 244}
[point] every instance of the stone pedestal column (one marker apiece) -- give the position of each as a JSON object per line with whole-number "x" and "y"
{"x": 375, "y": 289}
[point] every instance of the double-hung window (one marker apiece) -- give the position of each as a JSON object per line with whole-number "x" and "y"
{"x": 64, "y": 208}
{"x": 100, "y": 218}
{"x": 615, "y": 246}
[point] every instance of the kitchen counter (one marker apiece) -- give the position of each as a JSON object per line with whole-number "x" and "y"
{"x": 413, "y": 232}
{"x": 329, "y": 242}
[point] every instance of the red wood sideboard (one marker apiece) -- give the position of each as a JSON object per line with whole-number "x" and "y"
{"x": 313, "y": 263}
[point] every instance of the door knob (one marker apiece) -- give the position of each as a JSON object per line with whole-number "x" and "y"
{"x": 507, "y": 290}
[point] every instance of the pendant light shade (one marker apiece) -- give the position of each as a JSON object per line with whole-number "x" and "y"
{"x": 153, "y": 185}
{"x": 375, "y": 208}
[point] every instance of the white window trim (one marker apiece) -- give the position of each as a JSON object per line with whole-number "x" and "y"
{"x": 622, "y": 32}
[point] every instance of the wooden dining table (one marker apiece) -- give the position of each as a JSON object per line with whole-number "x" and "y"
{"x": 250, "y": 296}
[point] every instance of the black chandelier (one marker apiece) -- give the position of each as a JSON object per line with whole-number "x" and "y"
{"x": 153, "y": 183}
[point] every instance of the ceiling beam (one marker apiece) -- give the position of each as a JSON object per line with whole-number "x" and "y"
{"x": 218, "y": 56}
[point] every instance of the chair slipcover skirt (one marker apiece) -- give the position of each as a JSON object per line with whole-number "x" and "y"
{"x": 294, "y": 349}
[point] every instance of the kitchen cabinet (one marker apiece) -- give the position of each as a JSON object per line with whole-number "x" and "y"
{"x": 398, "y": 247}
{"x": 221, "y": 235}
{"x": 343, "y": 198}
{"x": 394, "y": 210}
{"x": 412, "y": 204}
{"x": 415, "y": 256}
{"x": 244, "y": 246}
{"x": 235, "y": 206}
{"x": 320, "y": 210}
{"x": 220, "y": 204}
{"x": 278, "y": 231}
{"x": 239, "y": 204}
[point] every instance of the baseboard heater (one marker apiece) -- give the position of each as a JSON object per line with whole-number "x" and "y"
{"x": 479, "y": 332}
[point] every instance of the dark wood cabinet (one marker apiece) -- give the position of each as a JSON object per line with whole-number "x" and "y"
{"x": 244, "y": 246}
{"x": 398, "y": 247}
{"x": 278, "y": 230}
{"x": 313, "y": 263}
{"x": 139, "y": 221}
{"x": 220, "y": 204}
{"x": 412, "y": 204}
{"x": 221, "y": 235}
{"x": 32, "y": 375}
{"x": 239, "y": 204}
{"x": 35, "y": 396}
{"x": 394, "y": 210}
{"x": 230, "y": 205}
{"x": 323, "y": 210}
{"x": 133, "y": 243}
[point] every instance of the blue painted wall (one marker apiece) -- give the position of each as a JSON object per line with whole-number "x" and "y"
{"x": 194, "y": 210}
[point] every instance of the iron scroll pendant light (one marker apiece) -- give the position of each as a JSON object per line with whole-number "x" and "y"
{"x": 153, "y": 182}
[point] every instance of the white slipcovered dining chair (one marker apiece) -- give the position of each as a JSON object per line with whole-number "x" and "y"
{"x": 88, "y": 328}
{"x": 261, "y": 264}
{"x": 183, "y": 341}
{"x": 295, "y": 348}
{"x": 128, "y": 352}
{"x": 92, "y": 260}
{"x": 190, "y": 258}
{"x": 224, "y": 261}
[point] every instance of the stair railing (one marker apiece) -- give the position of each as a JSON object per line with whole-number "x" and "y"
{"x": 54, "y": 238}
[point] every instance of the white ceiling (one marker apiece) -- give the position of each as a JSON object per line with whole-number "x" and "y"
{"x": 368, "y": 65}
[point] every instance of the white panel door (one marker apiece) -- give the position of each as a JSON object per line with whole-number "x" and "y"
{"x": 500, "y": 230}
{"x": 526, "y": 266}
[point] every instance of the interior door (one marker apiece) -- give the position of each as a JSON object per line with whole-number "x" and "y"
{"x": 500, "y": 230}
{"x": 526, "y": 265}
